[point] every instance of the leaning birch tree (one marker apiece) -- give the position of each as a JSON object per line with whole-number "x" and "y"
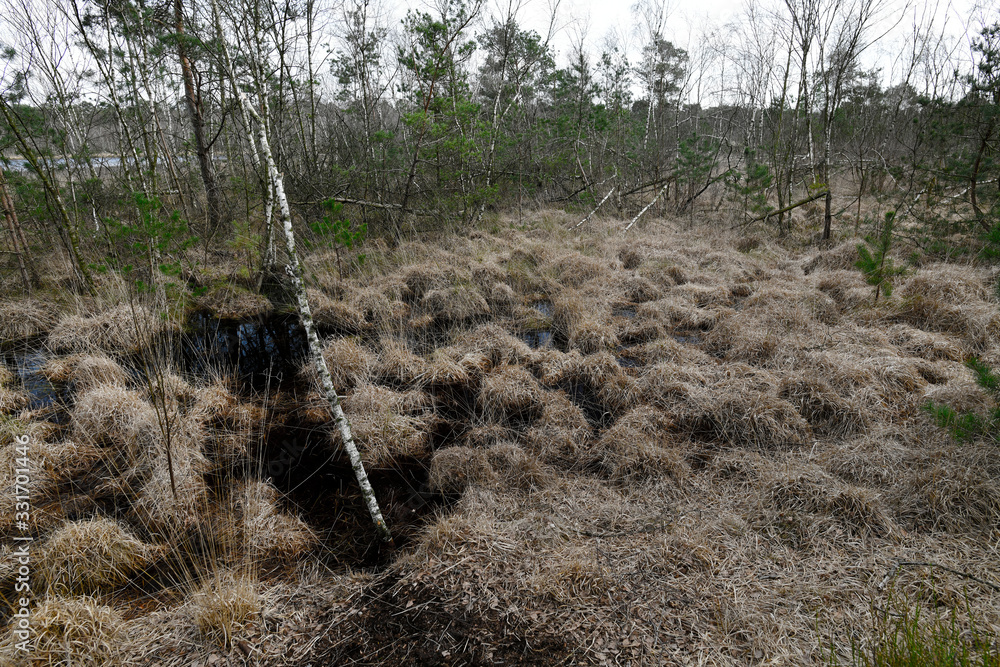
{"x": 294, "y": 270}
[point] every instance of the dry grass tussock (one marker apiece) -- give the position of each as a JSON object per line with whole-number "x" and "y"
{"x": 508, "y": 394}
{"x": 950, "y": 299}
{"x": 54, "y": 467}
{"x": 642, "y": 445}
{"x": 175, "y": 504}
{"x": 124, "y": 328}
{"x": 118, "y": 419}
{"x": 224, "y": 605}
{"x": 25, "y": 318}
{"x": 234, "y": 302}
{"x": 349, "y": 364}
{"x": 672, "y": 448}
{"x": 335, "y": 313}
{"x": 388, "y": 425}
{"x": 69, "y": 631}
{"x": 268, "y": 535}
{"x": 12, "y": 399}
{"x": 92, "y": 557}
{"x": 86, "y": 371}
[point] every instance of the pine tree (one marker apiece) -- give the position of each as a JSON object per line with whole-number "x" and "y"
{"x": 880, "y": 270}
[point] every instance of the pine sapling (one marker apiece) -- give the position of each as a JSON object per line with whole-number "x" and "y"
{"x": 336, "y": 229}
{"x": 879, "y": 269}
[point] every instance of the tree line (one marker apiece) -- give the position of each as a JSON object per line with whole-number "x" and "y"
{"x": 122, "y": 119}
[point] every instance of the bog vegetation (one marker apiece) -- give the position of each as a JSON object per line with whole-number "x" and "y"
{"x": 651, "y": 353}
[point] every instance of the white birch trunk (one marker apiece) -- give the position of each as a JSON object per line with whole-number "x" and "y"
{"x": 315, "y": 349}
{"x": 591, "y": 214}
{"x": 305, "y": 313}
{"x": 648, "y": 206}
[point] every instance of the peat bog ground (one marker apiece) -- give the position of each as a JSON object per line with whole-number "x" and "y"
{"x": 663, "y": 448}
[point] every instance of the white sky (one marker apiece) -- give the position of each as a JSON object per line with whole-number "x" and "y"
{"x": 690, "y": 20}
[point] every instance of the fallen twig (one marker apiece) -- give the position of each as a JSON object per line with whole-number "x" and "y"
{"x": 966, "y": 575}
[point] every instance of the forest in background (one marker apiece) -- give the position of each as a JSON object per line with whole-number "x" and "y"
{"x": 122, "y": 120}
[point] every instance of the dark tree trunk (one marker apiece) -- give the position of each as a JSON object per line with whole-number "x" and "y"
{"x": 192, "y": 97}
{"x": 17, "y": 241}
{"x": 827, "y": 215}
{"x": 974, "y": 177}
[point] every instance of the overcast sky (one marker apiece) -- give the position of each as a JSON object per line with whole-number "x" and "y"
{"x": 690, "y": 20}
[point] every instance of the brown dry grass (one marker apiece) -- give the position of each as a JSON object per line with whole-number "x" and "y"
{"x": 397, "y": 365}
{"x": 12, "y": 398}
{"x": 223, "y": 606}
{"x": 172, "y": 505}
{"x": 456, "y": 305}
{"x": 69, "y": 631}
{"x": 642, "y": 445}
{"x": 92, "y": 557}
{"x": 349, "y": 364}
{"x": 23, "y": 319}
{"x": 510, "y": 393}
{"x": 117, "y": 418}
{"x": 387, "y": 425}
{"x": 337, "y": 314}
{"x": 86, "y": 371}
{"x": 720, "y": 457}
{"x": 233, "y": 302}
{"x": 123, "y": 328}
{"x": 271, "y": 535}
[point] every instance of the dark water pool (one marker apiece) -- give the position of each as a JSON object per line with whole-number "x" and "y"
{"x": 27, "y": 364}
{"x": 258, "y": 354}
{"x": 537, "y": 339}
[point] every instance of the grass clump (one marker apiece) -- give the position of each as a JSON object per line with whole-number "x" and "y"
{"x": 967, "y": 425}
{"x": 906, "y": 637}
{"x": 68, "y": 631}
{"x": 23, "y": 319}
{"x": 11, "y": 398}
{"x": 231, "y": 301}
{"x": 270, "y": 534}
{"x": 123, "y": 328}
{"x": 86, "y": 371}
{"x": 95, "y": 556}
{"x": 510, "y": 393}
{"x": 224, "y": 605}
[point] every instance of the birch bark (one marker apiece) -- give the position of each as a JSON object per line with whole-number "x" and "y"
{"x": 294, "y": 270}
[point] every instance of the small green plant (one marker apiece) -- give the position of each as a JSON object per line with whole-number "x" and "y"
{"x": 336, "y": 231}
{"x": 902, "y": 640}
{"x": 991, "y": 246}
{"x": 154, "y": 238}
{"x": 965, "y": 426}
{"x": 749, "y": 187}
{"x": 901, "y": 635}
{"x": 880, "y": 270}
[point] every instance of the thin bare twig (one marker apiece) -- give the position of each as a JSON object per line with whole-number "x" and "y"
{"x": 966, "y": 575}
